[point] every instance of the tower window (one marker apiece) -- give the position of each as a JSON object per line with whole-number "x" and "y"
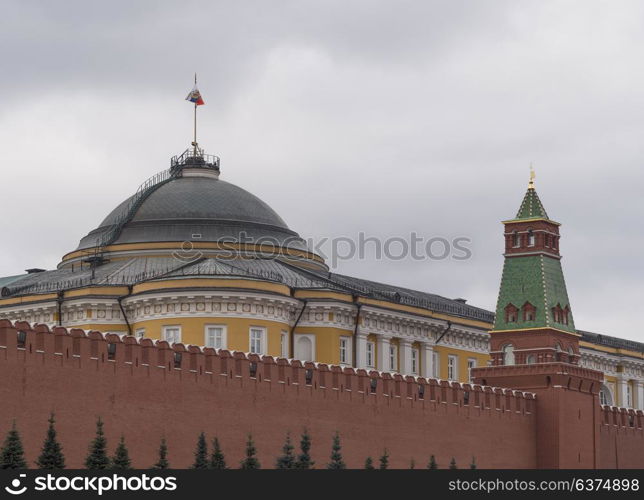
{"x": 531, "y": 238}
{"x": 515, "y": 239}
{"x": 530, "y": 359}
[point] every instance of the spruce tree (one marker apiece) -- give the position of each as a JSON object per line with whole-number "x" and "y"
{"x": 473, "y": 463}
{"x": 12, "y": 455}
{"x": 201, "y": 453}
{"x": 384, "y": 460}
{"x": 304, "y": 458}
{"x": 121, "y": 458}
{"x": 287, "y": 459}
{"x": 217, "y": 459}
{"x": 162, "y": 463}
{"x": 250, "y": 462}
{"x": 51, "y": 456}
{"x": 336, "y": 462}
{"x": 97, "y": 457}
{"x": 452, "y": 463}
{"x": 368, "y": 464}
{"x": 432, "y": 463}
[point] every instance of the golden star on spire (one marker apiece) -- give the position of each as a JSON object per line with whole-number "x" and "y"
{"x": 532, "y": 176}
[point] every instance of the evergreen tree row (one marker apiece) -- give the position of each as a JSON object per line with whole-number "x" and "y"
{"x": 51, "y": 456}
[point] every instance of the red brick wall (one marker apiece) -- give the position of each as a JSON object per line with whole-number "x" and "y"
{"x": 141, "y": 395}
{"x": 622, "y": 438}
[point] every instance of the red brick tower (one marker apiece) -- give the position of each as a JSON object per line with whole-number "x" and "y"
{"x": 534, "y": 344}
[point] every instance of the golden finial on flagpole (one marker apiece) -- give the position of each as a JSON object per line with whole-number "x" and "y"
{"x": 532, "y": 176}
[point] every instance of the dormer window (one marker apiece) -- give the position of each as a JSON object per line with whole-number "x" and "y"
{"x": 511, "y": 313}
{"x": 529, "y": 312}
{"x": 531, "y": 238}
{"x": 565, "y": 314}
{"x": 557, "y": 314}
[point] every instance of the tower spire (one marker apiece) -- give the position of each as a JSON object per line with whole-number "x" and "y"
{"x": 532, "y": 176}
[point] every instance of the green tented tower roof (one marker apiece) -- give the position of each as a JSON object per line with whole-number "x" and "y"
{"x": 531, "y": 207}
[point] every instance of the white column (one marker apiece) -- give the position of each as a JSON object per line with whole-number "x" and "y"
{"x": 361, "y": 349}
{"x": 383, "y": 354}
{"x": 426, "y": 360}
{"x": 620, "y": 385}
{"x": 638, "y": 394}
{"x": 404, "y": 356}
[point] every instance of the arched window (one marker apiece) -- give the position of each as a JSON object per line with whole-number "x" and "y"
{"x": 531, "y": 238}
{"x": 558, "y": 352}
{"x": 557, "y": 314}
{"x": 547, "y": 240}
{"x": 605, "y": 396}
{"x": 511, "y": 313}
{"x": 515, "y": 239}
{"x": 304, "y": 348}
{"x": 531, "y": 359}
{"x": 508, "y": 354}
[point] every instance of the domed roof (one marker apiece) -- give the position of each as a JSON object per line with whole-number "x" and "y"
{"x": 188, "y": 208}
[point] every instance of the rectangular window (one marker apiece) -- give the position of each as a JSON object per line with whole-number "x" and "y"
{"x": 345, "y": 350}
{"x": 436, "y": 365}
{"x": 172, "y": 334}
{"x": 371, "y": 354}
{"x": 393, "y": 358}
{"x": 215, "y": 337}
{"x": 139, "y": 333}
{"x": 471, "y": 363}
{"x": 452, "y": 368}
{"x": 629, "y": 395}
{"x": 257, "y": 340}
{"x": 284, "y": 344}
{"x": 414, "y": 361}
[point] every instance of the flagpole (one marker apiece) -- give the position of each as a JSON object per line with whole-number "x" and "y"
{"x": 195, "y": 124}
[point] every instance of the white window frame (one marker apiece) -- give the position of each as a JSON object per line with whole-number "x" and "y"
{"x": 176, "y": 333}
{"x": 262, "y": 340}
{"x": 370, "y": 354}
{"x": 393, "y": 357}
{"x": 452, "y": 367}
{"x": 139, "y": 333}
{"x": 436, "y": 364}
{"x": 471, "y": 363}
{"x": 414, "y": 361}
{"x": 284, "y": 344}
{"x": 629, "y": 395}
{"x": 345, "y": 350}
{"x": 224, "y": 336}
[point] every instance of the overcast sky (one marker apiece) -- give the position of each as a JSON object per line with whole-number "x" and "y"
{"x": 378, "y": 116}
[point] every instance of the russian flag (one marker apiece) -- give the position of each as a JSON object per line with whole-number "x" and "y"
{"x": 195, "y": 96}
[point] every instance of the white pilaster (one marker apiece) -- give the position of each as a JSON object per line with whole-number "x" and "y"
{"x": 383, "y": 353}
{"x": 620, "y": 385}
{"x": 638, "y": 394}
{"x": 361, "y": 349}
{"x": 426, "y": 359}
{"x": 404, "y": 354}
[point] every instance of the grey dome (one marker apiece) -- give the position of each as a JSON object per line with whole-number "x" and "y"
{"x": 187, "y": 206}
